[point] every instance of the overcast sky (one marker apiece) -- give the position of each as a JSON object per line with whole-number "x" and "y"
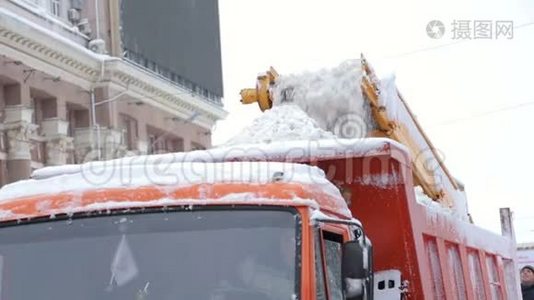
{"x": 475, "y": 99}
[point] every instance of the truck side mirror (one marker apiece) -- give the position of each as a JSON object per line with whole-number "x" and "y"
{"x": 356, "y": 270}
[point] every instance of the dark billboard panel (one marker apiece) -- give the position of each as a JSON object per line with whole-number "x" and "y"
{"x": 179, "y": 39}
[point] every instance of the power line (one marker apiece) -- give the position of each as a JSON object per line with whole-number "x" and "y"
{"x": 524, "y": 25}
{"x": 425, "y": 49}
{"x": 483, "y": 114}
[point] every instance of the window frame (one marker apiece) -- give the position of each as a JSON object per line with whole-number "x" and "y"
{"x": 56, "y": 7}
{"x": 319, "y": 264}
{"x": 344, "y": 236}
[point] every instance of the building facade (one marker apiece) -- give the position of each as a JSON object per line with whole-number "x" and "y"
{"x": 78, "y": 82}
{"x": 525, "y": 254}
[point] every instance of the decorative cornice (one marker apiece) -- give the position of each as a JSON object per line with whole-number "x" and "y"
{"x": 47, "y": 46}
{"x": 89, "y": 69}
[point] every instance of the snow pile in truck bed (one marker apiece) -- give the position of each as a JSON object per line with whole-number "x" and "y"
{"x": 332, "y": 97}
{"x": 423, "y": 199}
{"x": 281, "y": 123}
{"x": 311, "y": 106}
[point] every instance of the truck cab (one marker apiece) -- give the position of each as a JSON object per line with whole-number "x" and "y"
{"x": 214, "y": 231}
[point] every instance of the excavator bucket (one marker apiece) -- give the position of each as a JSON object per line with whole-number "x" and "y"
{"x": 261, "y": 94}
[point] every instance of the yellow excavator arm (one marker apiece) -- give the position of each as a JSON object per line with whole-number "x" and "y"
{"x": 423, "y": 175}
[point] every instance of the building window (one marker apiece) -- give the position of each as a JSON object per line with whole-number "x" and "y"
{"x": 156, "y": 144}
{"x": 3, "y": 173}
{"x": 55, "y": 7}
{"x": 37, "y": 115}
{"x": 129, "y": 127}
{"x": 152, "y": 140}
{"x": 175, "y": 145}
{"x": 196, "y": 146}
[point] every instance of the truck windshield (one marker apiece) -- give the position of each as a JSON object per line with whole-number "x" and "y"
{"x": 200, "y": 254}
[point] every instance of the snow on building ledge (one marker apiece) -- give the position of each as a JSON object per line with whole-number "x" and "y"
{"x": 48, "y": 51}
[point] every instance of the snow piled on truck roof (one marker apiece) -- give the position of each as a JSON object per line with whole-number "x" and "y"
{"x": 283, "y": 151}
{"x": 102, "y": 176}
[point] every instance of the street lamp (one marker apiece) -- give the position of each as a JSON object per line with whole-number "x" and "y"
{"x": 94, "y": 104}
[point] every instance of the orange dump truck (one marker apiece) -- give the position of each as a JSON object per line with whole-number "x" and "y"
{"x": 175, "y": 226}
{"x": 311, "y": 219}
